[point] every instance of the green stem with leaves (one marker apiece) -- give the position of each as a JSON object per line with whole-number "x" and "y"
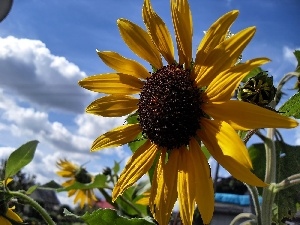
{"x": 35, "y": 205}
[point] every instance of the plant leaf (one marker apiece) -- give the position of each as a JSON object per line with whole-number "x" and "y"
{"x": 252, "y": 73}
{"x": 288, "y": 163}
{"x": 291, "y": 107}
{"x": 20, "y": 158}
{"x": 109, "y": 217}
{"x": 99, "y": 182}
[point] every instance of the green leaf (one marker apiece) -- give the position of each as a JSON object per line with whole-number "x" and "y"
{"x": 20, "y": 158}
{"x": 252, "y": 73}
{"x": 297, "y": 55}
{"x": 31, "y": 189}
{"x": 99, "y": 182}
{"x": 116, "y": 167}
{"x": 109, "y": 217}
{"x": 291, "y": 107}
{"x": 130, "y": 196}
{"x": 288, "y": 163}
{"x": 258, "y": 157}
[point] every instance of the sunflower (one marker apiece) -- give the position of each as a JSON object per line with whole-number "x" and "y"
{"x": 77, "y": 174}
{"x": 182, "y": 105}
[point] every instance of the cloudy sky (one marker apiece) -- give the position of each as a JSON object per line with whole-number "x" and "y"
{"x": 47, "y": 46}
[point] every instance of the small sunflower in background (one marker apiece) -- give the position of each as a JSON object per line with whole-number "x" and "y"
{"x": 76, "y": 174}
{"x": 181, "y": 105}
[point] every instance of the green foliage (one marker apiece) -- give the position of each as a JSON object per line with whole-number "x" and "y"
{"x": 31, "y": 189}
{"x": 291, "y": 107}
{"x": 252, "y": 73}
{"x": 131, "y": 196}
{"x": 20, "y": 158}
{"x": 288, "y": 163}
{"x": 99, "y": 182}
{"x": 297, "y": 55}
{"x": 109, "y": 217}
{"x": 116, "y": 167}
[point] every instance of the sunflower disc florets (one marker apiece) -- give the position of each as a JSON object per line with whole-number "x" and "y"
{"x": 169, "y": 107}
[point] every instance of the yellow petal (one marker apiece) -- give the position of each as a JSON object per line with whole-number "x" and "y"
{"x": 159, "y": 32}
{"x": 224, "y": 56}
{"x": 138, "y": 165}
{"x": 166, "y": 193}
{"x": 227, "y": 139}
{"x": 65, "y": 173}
{"x": 215, "y": 35}
{"x": 116, "y": 137}
{"x": 12, "y": 215}
{"x": 139, "y": 42}
{"x": 4, "y": 221}
{"x": 225, "y": 83}
{"x": 113, "y": 106}
{"x": 155, "y": 180}
{"x": 245, "y": 116}
{"x": 123, "y": 65}
{"x": 202, "y": 181}
{"x": 229, "y": 152}
{"x": 112, "y": 83}
{"x": 144, "y": 200}
{"x": 186, "y": 186}
{"x": 183, "y": 26}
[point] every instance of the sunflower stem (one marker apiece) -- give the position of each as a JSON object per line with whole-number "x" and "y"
{"x": 242, "y": 216}
{"x": 35, "y": 205}
{"x": 288, "y": 182}
{"x": 270, "y": 178}
{"x": 254, "y": 195}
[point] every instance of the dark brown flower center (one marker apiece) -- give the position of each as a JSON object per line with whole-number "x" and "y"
{"x": 170, "y": 107}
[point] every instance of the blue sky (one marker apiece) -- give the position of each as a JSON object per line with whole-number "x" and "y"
{"x": 47, "y": 46}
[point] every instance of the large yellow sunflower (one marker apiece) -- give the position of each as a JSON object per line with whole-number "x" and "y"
{"x": 79, "y": 174}
{"x": 180, "y": 105}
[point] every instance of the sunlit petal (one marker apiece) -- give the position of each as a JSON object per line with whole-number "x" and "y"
{"x": 224, "y": 56}
{"x": 202, "y": 178}
{"x": 116, "y": 137}
{"x": 139, "y": 42}
{"x": 123, "y": 65}
{"x": 213, "y": 36}
{"x": 166, "y": 193}
{"x": 228, "y": 158}
{"x": 183, "y": 26}
{"x": 159, "y": 32}
{"x": 112, "y": 83}
{"x": 223, "y": 86}
{"x": 113, "y": 106}
{"x": 227, "y": 139}
{"x": 138, "y": 165}
{"x": 186, "y": 186}
{"x": 245, "y": 116}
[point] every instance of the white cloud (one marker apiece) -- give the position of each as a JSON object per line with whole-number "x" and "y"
{"x": 30, "y": 70}
{"x": 289, "y": 56}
